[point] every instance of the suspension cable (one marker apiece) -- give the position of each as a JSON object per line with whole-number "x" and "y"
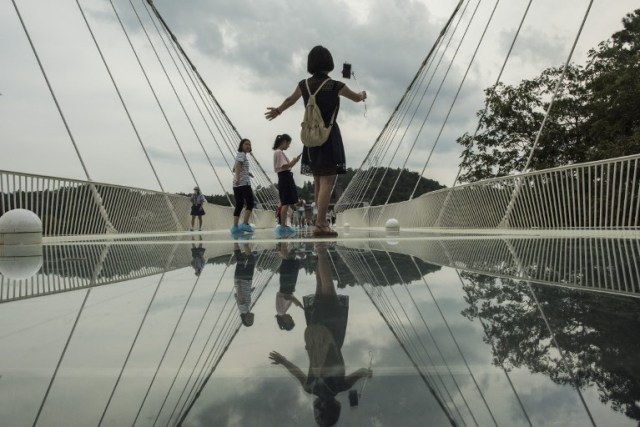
{"x": 444, "y": 77}
{"x": 153, "y": 91}
{"x": 516, "y": 190}
{"x": 135, "y": 339}
{"x": 484, "y": 111}
{"x": 197, "y": 329}
{"x": 455, "y": 98}
{"x": 409, "y": 88}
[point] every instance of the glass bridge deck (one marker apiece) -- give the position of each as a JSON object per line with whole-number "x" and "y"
{"x": 368, "y": 330}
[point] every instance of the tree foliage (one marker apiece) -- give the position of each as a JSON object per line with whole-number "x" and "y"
{"x": 385, "y": 178}
{"x": 596, "y": 114}
{"x": 592, "y": 330}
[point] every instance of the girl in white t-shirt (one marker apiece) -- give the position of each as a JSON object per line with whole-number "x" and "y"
{"x": 286, "y": 185}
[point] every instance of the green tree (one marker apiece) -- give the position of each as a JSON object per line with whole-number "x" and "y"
{"x": 385, "y": 179}
{"x": 596, "y": 114}
{"x": 614, "y": 85}
{"x": 591, "y": 329}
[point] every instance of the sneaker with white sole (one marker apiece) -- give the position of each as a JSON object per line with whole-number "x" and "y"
{"x": 245, "y": 227}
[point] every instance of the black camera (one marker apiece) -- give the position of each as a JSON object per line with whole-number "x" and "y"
{"x": 346, "y": 71}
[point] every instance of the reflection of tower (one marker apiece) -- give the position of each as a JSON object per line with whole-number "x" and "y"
{"x": 190, "y": 337}
{"x": 418, "y": 333}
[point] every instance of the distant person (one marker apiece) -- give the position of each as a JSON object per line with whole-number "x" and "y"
{"x": 242, "y": 188}
{"x": 300, "y": 212}
{"x": 327, "y": 160}
{"x": 197, "y": 257}
{"x": 286, "y": 184}
{"x": 314, "y": 213}
{"x": 289, "y": 268}
{"x": 242, "y": 281}
{"x": 197, "y": 209}
{"x": 326, "y": 314}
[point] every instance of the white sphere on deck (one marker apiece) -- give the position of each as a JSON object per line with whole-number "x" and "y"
{"x": 20, "y": 227}
{"x": 392, "y": 225}
{"x": 21, "y": 267}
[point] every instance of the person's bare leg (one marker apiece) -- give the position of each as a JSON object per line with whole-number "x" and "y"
{"x": 316, "y": 185}
{"x": 193, "y": 218}
{"x": 324, "y": 281}
{"x": 323, "y": 197}
{"x": 247, "y": 215}
{"x": 200, "y": 222}
{"x": 284, "y": 210}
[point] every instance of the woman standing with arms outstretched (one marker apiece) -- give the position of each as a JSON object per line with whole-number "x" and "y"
{"x": 328, "y": 160}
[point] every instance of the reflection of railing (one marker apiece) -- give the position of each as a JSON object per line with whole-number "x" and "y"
{"x": 596, "y": 195}
{"x": 201, "y": 307}
{"x": 596, "y": 264}
{"x": 72, "y": 267}
{"x": 74, "y": 207}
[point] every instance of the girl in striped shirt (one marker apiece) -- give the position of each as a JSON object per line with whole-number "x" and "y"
{"x": 242, "y": 188}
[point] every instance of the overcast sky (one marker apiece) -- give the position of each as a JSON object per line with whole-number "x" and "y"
{"x": 252, "y": 54}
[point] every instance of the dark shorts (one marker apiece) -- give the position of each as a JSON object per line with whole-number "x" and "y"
{"x": 287, "y": 188}
{"x": 331, "y": 311}
{"x": 244, "y": 198}
{"x": 197, "y": 210}
{"x": 289, "y": 269}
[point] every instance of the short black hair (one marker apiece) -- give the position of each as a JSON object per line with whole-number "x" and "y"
{"x": 280, "y": 139}
{"x": 247, "y": 319}
{"x": 326, "y": 411}
{"x": 242, "y": 141}
{"x": 319, "y": 59}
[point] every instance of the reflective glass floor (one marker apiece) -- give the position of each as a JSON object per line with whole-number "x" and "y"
{"x": 368, "y": 330}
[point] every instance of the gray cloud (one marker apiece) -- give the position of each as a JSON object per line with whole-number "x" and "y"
{"x": 252, "y": 54}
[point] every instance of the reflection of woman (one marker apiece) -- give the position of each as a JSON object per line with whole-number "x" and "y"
{"x": 242, "y": 278}
{"x": 326, "y": 315}
{"x": 289, "y": 268}
{"x": 197, "y": 257}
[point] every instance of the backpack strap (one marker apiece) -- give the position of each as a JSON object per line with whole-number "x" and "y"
{"x": 317, "y": 90}
{"x": 306, "y": 82}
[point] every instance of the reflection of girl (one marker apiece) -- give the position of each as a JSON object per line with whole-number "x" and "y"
{"x": 197, "y": 257}
{"x": 242, "y": 279}
{"x": 284, "y": 297}
{"x": 326, "y": 314}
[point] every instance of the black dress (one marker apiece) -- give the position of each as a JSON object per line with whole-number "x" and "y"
{"x": 329, "y": 158}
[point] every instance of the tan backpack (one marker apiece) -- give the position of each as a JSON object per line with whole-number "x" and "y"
{"x": 314, "y": 132}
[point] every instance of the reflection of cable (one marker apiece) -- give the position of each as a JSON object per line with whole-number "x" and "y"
{"x": 354, "y": 395}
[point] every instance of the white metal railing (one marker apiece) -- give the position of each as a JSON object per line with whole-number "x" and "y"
{"x": 594, "y": 195}
{"x": 75, "y": 207}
